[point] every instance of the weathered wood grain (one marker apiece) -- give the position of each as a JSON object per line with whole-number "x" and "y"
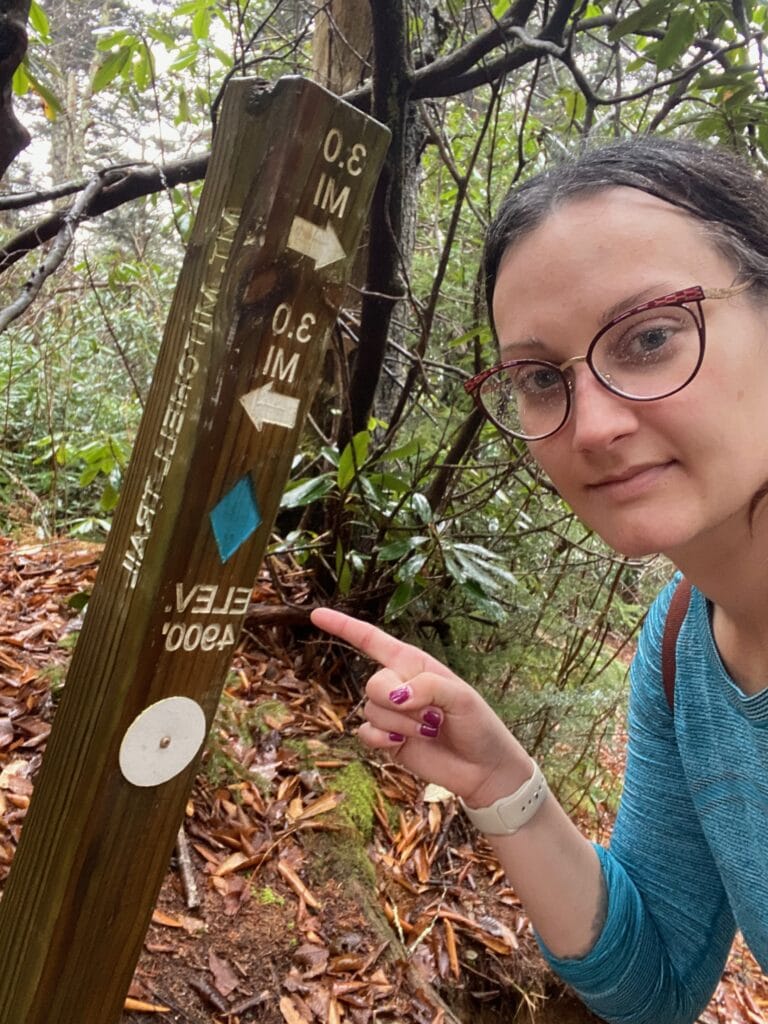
{"x": 250, "y": 312}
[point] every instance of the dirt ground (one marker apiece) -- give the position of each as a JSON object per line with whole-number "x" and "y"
{"x": 310, "y": 883}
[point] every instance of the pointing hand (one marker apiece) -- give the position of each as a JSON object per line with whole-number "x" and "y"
{"x": 439, "y": 726}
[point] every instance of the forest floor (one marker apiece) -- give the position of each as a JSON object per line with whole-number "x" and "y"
{"x": 311, "y": 883}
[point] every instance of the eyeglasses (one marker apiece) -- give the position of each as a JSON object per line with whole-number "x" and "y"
{"x": 648, "y": 352}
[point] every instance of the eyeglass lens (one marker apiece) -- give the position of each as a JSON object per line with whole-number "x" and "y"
{"x": 646, "y": 355}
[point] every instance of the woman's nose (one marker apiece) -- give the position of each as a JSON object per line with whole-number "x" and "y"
{"x": 598, "y": 417}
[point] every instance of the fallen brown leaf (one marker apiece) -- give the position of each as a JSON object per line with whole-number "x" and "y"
{"x": 224, "y": 978}
{"x": 334, "y": 1014}
{"x": 312, "y": 960}
{"x": 191, "y": 925}
{"x": 230, "y": 864}
{"x": 450, "y": 945}
{"x": 322, "y": 805}
{"x": 290, "y": 1012}
{"x": 298, "y": 886}
{"x": 138, "y": 1006}
{"x": 6, "y": 732}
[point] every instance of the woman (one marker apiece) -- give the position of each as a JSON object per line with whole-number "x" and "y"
{"x": 629, "y": 294}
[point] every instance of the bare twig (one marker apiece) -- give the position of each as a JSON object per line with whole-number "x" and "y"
{"x": 594, "y": 100}
{"x": 76, "y": 213}
{"x": 186, "y": 871}
{"x": 463, "y": 60}
{"x": 113, "y": 335}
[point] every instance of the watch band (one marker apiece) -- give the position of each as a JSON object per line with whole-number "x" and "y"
{"x": 508, "y": 814}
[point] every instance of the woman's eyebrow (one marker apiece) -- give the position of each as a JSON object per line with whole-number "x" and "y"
{"x": 508, "y": 349}
{"x": 656, "y": 291}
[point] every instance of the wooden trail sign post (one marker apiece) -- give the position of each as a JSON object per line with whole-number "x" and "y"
{"x": 286, "y": 194}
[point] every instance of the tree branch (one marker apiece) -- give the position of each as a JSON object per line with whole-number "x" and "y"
{"x": 21, "y": 200}
{"x": 468, "y": 56}
{"x": 75, "y": 214}
{"x": 558, "y": 21}
{"x": 548, "y": 43}
{"x": 465, "y": 69}
{"x": 607, "y": 101}
{"x": 118, "y": 186}
{"x": 486, "y": 73}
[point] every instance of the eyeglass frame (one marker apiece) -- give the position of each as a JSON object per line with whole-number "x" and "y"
{"x": 694, "y": 294}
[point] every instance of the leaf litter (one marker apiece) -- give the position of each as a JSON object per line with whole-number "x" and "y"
{"x": 246, "y": 927}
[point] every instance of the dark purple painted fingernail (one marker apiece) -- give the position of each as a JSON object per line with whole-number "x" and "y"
{"x": 396, "y": 737}
{"x": 429, "y": 730}
{"x": 433, "y": 718}
{"x": 400, "y": 695}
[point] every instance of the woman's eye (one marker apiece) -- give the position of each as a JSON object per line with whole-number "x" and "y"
{"x": 643, "y": 343}
{"x": 651, "y": 340}
{"x": 536, "y": 382}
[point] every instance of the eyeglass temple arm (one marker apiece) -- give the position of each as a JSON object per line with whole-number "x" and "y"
{"x": 726, "y": 293}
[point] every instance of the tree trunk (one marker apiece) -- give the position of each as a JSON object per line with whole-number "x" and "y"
{"x": 341, "y": 49}
{"x": 73, "y": 54}
{"x": 13, "y": 45}
{"x": 392, "y": 76}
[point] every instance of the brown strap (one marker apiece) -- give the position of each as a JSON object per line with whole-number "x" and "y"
{"x": 678, "y": 606}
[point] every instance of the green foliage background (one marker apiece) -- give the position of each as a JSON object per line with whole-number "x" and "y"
{"x": 423, "y": 520}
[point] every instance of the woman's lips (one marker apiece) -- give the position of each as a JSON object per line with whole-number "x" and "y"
{"x": 630, "y": 482}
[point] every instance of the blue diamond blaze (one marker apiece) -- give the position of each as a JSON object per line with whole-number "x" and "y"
{"x": 235, "y": 518}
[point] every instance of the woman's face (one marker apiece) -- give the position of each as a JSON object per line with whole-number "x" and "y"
{"x": 647, "y": 476}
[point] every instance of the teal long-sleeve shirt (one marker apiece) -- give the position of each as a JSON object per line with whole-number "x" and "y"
{"x": 688, "y": 860}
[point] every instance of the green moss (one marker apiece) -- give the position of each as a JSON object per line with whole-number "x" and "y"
{"x": 245, "y": 721}
{"x": 268, "y": 897}
{"x": 274, "y": 708}
{"x": 344, "y": 854}
{"x": 55, "y": 676}
{"x": 340, "y": 854}
{"x": 218, "y": 766}
{"x": 302, "y": 750}
{"x": 234, "y": 718}
{"x": 359, "y": 791}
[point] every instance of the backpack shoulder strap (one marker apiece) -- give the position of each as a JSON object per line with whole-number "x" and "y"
{"x": 678, "y": 606}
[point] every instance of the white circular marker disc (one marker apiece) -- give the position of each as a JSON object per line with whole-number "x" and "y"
{"x": 162, "y": 741}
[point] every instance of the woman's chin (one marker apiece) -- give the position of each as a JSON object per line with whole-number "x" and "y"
{"x": 642, "y": 543}
{"x": 669, "y": 542}
{"x": 636, "y": 548}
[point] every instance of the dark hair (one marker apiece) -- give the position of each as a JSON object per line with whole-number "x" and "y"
{"x": 715, "y": 186}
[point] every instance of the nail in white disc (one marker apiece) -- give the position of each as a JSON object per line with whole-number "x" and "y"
{"x": 162, "y": 741}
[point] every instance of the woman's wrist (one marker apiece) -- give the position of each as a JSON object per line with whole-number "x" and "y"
{"x": 502, "y": 782}
{"x": 508, "y": 814}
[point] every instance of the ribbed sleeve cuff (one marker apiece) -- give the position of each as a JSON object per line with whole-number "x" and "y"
{"x": 620, "y": 930}
{"x": 623, "y": 977}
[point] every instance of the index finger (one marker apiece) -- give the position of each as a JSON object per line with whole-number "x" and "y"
{"x": 403, "y": 659}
